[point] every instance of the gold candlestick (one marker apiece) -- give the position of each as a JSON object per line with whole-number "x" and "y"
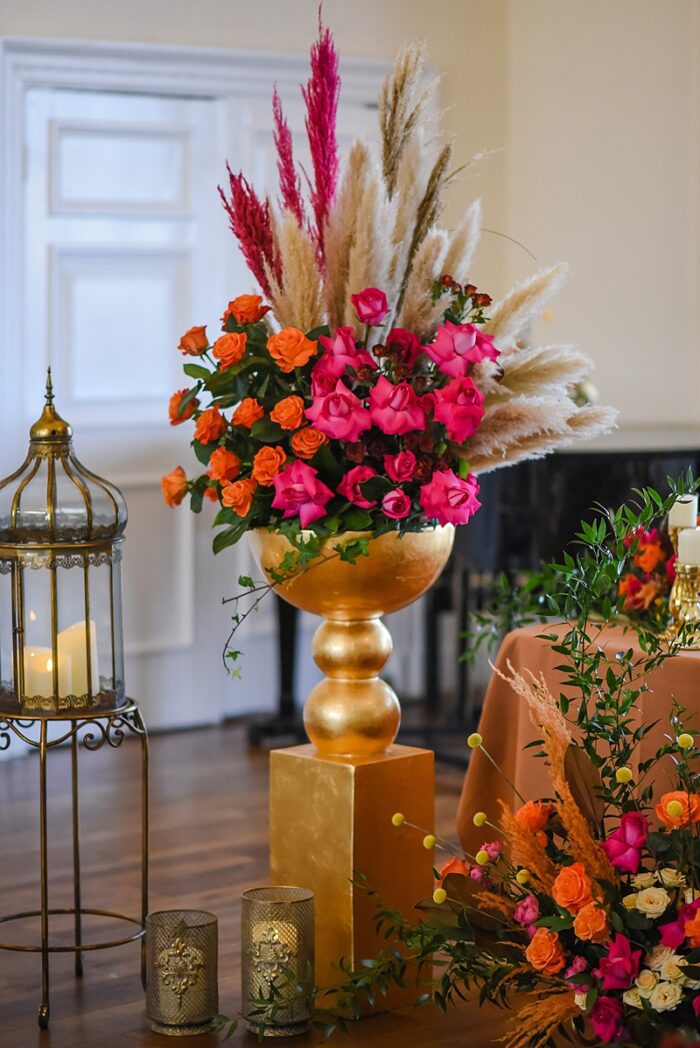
{"x": 684, "y": 603}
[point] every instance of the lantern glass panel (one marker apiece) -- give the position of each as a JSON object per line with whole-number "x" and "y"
{"x": 6, "y": 667}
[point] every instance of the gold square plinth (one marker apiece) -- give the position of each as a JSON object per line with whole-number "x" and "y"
{"x": 330, "y": 819}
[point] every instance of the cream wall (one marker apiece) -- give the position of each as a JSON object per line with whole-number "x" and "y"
{"x": 594, "y": 106}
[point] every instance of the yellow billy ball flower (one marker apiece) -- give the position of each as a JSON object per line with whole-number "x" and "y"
{"x": 685, "y": 741}
{"x": 397, "y": 819}
{"x": 439, "y": 896}
{"x": 522, "y": 876}
{"x": 674, "y": 809}
{"x": 482, "y": 857}
{"x": 480, "y": 818}
{"x": 429, "y": 842}
{"x": 474, "y": 741}
{"x": 623, "y": 775}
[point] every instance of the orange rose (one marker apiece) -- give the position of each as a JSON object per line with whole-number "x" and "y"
{"x": 690, "y": 809}
{"x": 212, "y": 494}
{"x": 692, "y": 930}
{"x": 267, "y": 464}
{"x": 291, "y": 349}
{"x": 194, "y": 342}
{"x": 288, "y": 412}
{"x": 224, "y": 465}
{"x": 534, "y": 815}
{"x": 545, "y": 953}
{"x": 210, "y": 426}
{"x": 307, "y": 441}
{"x": 454, "y": 865}
{"x": 174, "y": 408}
{"x": 591, "y": 924}
{"x": 649, "y": 556}
{"x": 238, "y": 496}
{"x": 246, "y": 309}
{"x": 229, "y": 349}
{"x": 573, "y": 888}
{"x": 174, "y": 487}
{"x": 247, "y": 412}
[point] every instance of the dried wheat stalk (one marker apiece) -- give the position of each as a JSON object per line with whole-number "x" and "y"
{"x": 419, "y": 313}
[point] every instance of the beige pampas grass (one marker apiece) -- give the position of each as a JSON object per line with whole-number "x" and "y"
{"x": 510, "y": 316}
{"x": 341, "y": 232}
{"x": 463, "y": 244}
{"x": 516, "y": 419}
{"x": 369, "y": 259}
{"x": 419, "y": 313}
{"x": 401, "y": 109}
{"x": 429, "y": 210}
{"x": 298, "y": 302}
{"x": 539, "y": 370}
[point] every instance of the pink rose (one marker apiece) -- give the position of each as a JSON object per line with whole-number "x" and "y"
{"x": 477, "y": 874}
{"x": 624, "y": 846}
{"x": 448, "y": 499}
{"x": 607, "y": 1020}
{"x": 673, "y": 933}
{"x": 339, "y": 414}
{"x": 527, "y": 911}
{"x": 322, "y": 382}
{"x": 456, "y": 346}
{"x": 696, "y": 1004}
{"x": 492, "y": 849}
{"x": 400, "y": 467}
{"x": 408, "y": 345}
{"x": 578, "y": 966}
{"x": 350, "y": 489}
{"x": 341, "y": 352}
{"x": 395, "y": 409}
{"x": 396, "y": 504}
{"x": 460, "y": 406}
{"x": 300, "y": 494}
{"x": 370, "y": 305}
{"x": 620, "y": 967}
{"x": 671, "y": 568}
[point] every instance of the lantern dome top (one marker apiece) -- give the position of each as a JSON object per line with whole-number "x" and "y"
{"x": 52, "y": 499}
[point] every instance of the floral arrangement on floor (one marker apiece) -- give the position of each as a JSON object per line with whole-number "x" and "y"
{"x": 581, "y": 910}
{"x": 365, "y": 387}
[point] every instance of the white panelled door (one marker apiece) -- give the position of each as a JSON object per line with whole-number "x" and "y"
{"x": 125, "y": 246}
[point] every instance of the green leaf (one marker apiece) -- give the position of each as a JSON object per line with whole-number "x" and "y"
{"x": 203, "y": 451}
{"x": 316, "y": 333}
{"x": 196, "y": 498}
{"x": 267, "y": 431}
{"x": 196, "y": 371}
{"x": 357, "y": 520}
{"x": 230, "y": 536}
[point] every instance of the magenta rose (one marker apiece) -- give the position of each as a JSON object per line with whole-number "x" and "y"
{"x": 370, "y": 305}
{"x": 460, "y": 406}
{"x": 449, "y": 499}
{"x": 620, "y": 967}
{"x": 624, "y": 846}
{"x": 673, "y": 933}
{"x": 300, "y": 493}
{"x": 607, "y": 1020}
{"x": 408, "y": 345}
{"x": 527, "y": 911}
{"x": 396, "y": 504}
{"x": 339, "y": 414}
{"x": 696, "y": 1004}
{"x": 578, "y": 966}
{"x": 400, "y": 467}
{"x": 350, "y": 489}
{"x": 457, "y": 346}
{"x": 341, "y": 352}
{"x": 395, "y": 409}
{"x": 322, "y": 382}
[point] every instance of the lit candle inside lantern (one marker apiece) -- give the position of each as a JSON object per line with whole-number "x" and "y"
{"x": 689, "y": 546}
{"x": 72, "y": 646}
{"x": 684, "y": 512}
{"x": 38, "y": 674}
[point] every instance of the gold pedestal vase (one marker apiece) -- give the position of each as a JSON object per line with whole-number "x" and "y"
{"x": 331, "y": 802}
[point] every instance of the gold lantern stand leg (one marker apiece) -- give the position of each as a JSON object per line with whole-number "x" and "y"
{"x": 93, "y": 729}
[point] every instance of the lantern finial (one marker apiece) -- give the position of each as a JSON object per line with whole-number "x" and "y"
{"x": 50, "y": 427}
{"x": 49, "y": 387}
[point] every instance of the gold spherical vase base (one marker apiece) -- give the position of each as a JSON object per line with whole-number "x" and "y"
{"x": 352, "y": 711}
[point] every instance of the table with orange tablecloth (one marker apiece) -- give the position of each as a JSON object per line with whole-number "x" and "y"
{"x": 506, "y": 727}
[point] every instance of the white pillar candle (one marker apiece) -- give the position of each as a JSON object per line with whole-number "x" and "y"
{"x": 72, "y": 646}
{"x": 689, "y": 546}
{"x": 684, "y": 512}
{"x": 38, "y": 674}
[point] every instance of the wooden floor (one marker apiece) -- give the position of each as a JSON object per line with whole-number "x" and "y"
{"x": 208, "y": 843}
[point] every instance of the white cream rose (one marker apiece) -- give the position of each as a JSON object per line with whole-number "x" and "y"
{"x": 671, "y": 969}
{"x": 657, "y": 957}
{"x": 666, "y": 996}
{"x": 671, "y": 878}
{"x": 646, "y": 981}
{"x": 643, "y": 880}
{"x": 633, "y": 998}
{"x": 653, "y": 901}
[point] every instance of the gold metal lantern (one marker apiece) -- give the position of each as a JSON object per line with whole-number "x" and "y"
{"x": 61, "y": 530}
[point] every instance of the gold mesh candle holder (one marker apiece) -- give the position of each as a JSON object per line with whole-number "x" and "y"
{"x": 182, "y": 957}
{"x": 685, "y": 600}
{"x": 277, "y": 973}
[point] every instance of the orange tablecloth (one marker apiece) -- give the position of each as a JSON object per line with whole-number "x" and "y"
{"x": 506, "y": 728}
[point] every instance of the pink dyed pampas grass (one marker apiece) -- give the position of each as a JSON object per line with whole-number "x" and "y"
{"x": 290, "y": 183}
{"x": 250, "y": 224}
{"x": 321, "y": 97}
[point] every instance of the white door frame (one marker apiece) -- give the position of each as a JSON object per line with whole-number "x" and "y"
{"x": 27, "y": 62}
